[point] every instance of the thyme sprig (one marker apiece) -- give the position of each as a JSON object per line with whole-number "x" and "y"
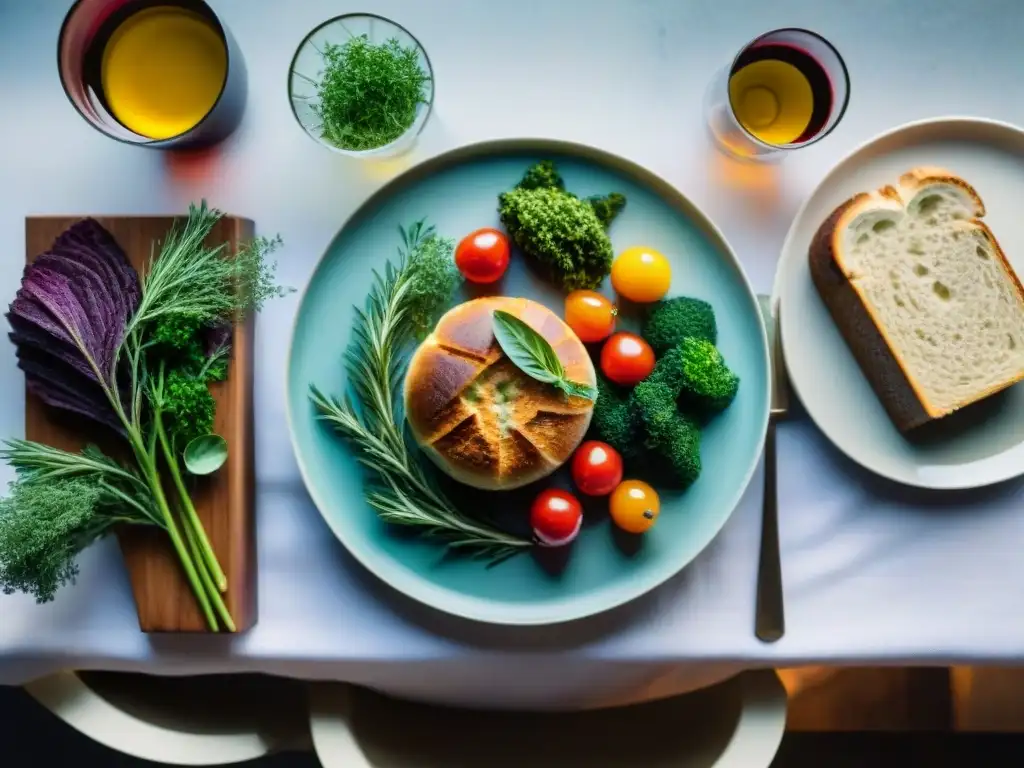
{"x": 368, "y": 94}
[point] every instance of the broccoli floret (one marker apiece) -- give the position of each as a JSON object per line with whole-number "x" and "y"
{"x": 673, "y": 439}
{"x": 187, "y": 407}
{"x": 707, "y": 383}
{"x": 673, "y": 320}
{"x": 614, "y": 420}
{"x": 564, "y": 235}
{"x": 669, "y": 371}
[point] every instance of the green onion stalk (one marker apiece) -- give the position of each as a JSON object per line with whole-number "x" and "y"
{"x": 202, "y": 570}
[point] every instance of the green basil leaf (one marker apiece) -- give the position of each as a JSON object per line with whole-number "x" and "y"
{"x": 205, "y": 454}
{"x": 575, "y": 389}
{"x": 527, "y": 349}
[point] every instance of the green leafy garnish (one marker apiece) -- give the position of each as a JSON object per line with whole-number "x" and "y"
{"x": 401, "y": 490}
{"x": 368, "y": 94}
{"x": 205, "y": 454}
{"x": 60, "y": 503}
{"x": 432, "y": 275}
{"x": 142, "y": 350}
{"x": 533, "y": 355}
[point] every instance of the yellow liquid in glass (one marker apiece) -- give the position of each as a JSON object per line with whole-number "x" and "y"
{"x": 772, "y": 100}
{"x": 162, "y": 71}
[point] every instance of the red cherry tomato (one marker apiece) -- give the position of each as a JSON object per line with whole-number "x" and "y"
{"x": 627, "y": 359}
{"x": 590, "y": 315}
{"x": 482, "y": 256}
{"x": 556, "y": 517}
{"x": 596, "y": 468}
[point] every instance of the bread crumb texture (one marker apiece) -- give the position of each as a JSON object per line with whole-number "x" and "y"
{"x": 937, "y": 285}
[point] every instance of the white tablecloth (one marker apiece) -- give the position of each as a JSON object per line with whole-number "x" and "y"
{"x": 873, "y": 572}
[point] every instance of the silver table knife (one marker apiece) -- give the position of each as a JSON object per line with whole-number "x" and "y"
{"x": 770, "y": 620}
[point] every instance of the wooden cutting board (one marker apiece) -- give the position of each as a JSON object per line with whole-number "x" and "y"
{"x": 224, "y": 501}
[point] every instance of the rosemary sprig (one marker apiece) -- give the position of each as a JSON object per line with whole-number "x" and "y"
{"x": 401, "y": 491}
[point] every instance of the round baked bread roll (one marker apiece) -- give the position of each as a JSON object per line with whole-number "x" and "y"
{"x": 481, "y": 419}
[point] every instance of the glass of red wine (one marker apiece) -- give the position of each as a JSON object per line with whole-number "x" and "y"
{"x": 785, "y": 89}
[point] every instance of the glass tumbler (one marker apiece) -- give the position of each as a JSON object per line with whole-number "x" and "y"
{"x": 157, "y": 73}
{"x": 784, "y": 90}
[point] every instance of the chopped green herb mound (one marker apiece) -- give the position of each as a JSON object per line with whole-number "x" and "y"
{"x": 673, "y": 320}
{"x": 614, "y": 420}
{"x": 562, "y": 234}
{"x": 542, "y": 175}
{"x": 673, "y": 438}
{"x": 707, "y": 383}
{"x": 607, "y": 207}
{"x": 368, "y": 94}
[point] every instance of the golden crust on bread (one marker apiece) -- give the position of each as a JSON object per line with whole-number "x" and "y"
{"x": 480, "y": 418}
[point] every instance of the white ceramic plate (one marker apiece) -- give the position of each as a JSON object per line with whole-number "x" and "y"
{"x": 981, "y": 446}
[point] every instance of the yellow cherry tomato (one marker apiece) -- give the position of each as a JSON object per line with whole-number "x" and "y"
{"x": 641, "y": 274}
{"x": 634, "y": 506}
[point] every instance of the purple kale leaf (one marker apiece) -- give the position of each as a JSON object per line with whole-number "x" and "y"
{"x": 68, "y": 320}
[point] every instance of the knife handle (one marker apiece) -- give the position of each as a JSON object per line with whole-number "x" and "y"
{"x": 770, "y": 621}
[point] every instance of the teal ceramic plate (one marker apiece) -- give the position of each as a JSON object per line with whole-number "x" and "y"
{"x": 457, "y": 192}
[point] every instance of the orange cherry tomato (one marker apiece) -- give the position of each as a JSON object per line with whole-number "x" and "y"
{"x": 627, "y": 359}
{"x": 482, "y": 256}
{"x": 556, "y": 517}
{"x": 590, "y": 315}
{"x": 596, "y": 468}
{"x": 634, "y": 506}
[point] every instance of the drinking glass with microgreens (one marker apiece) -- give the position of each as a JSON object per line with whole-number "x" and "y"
{"x": 361, "y": 85}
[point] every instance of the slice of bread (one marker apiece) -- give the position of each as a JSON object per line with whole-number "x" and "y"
{"x": 923, "y": 295}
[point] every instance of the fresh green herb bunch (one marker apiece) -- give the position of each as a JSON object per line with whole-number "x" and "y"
{"x": 368, "y": 94}
{"x": 431, "y": 275}
{"x": 137, "y": 354}
{"x": 43, "y": 527}
{"x": 60, "y": 503}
